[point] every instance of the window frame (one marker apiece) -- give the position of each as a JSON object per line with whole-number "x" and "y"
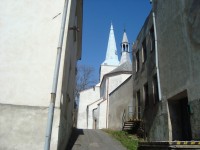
{"x": 137, "y": 55}
{"x": 146, "y": 94}
{"x": 152, "y": 39}
{"x": 155, "y": 89}
{"x": 144, "y": 51}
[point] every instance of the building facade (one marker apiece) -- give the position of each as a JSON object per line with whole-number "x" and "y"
{"x": 28, "y": 46}
{"x": 167, "y": 77}
{"x": 94, "y": 103}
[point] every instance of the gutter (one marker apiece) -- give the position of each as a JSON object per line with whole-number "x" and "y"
{"x": 55, "y": 80}
{"x": 156, "y": 53}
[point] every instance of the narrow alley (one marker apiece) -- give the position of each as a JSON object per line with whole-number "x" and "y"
{"x": 92, "y": 140}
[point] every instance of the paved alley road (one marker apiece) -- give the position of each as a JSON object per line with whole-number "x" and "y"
{"x": 93, "y": 140}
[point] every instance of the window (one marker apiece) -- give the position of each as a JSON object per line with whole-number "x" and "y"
{"x": 146, "y": 95}
{"x": 152, "y": 39}
{"x": 155, "y": 89}
{"x": 144, "y": 51}
{"x": 138, "y": 104}
{"x": 137, "y": 61}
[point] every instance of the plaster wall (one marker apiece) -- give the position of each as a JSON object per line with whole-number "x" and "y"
{"x": 179, "y": 41}
{"x": 102, "y": 114}
{"x": 24, "y": 127}
{"x": 178, "y": 56}
{"x": 111, "y": 82}
{"x": 86, "y": 97}
{"x": 119, "y": 100}
{"x": 28, "y": 50}
{"x": 115, "y": 81}
{"x": 90, "y": 113}
{"x": 106, "y": 69}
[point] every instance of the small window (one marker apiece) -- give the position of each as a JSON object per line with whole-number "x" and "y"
{"x": 144, "y": 51}
{"x": 146, "y": 95}
{"x": 137, "y": 61}
{"x": 155, "y": 89}
{"x": 152, "y": 39}
{"x": 127, "y": 49}
{"x": 124, "y": 48}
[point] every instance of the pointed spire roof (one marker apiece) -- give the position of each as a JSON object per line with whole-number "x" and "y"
{"x": 111, "y": 54}
{"x": 125, "y": 57}
{"x": 125, "y": 39}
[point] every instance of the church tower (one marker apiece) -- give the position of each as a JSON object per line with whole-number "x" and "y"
{"x": 125, "y": 50}
{"x": 111, "y": 61}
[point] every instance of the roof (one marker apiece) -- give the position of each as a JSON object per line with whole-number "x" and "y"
{"x": 125, "y": 39}
{"x": 111, "y": 53}
{"x": 126, "y": 66}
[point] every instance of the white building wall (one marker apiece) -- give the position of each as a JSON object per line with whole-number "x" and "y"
{"x": 86, "y": 97}
{"x": 28, "y": 48}
{"x": 90, "y": 113}
{"x": 106, "y": 69}
{"x": 102, "y": 114}
{"x": 115, "y": 81}
{"x": 29, "y": 38}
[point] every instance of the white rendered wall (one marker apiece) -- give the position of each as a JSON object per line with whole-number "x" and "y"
{"x": 90, "y": 113}
{"x": 112, "y": 82}
{"x": 28, "y": 47}
{"x": 102, "y": 114}
{"x": 115, "y": 81}
{"x": 86, "y": 97}
{"x": 106, "y": 69}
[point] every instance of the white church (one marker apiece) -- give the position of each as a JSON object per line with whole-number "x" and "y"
{"x": 102, "y": 106}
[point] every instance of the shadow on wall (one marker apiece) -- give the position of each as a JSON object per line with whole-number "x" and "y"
{"x": 74, "y": 137}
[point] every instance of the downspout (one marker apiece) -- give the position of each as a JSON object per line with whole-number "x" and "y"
{"x": 156, "y": 53}
{"x": 55, "y": 80}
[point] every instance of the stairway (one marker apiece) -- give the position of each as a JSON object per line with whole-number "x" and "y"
{"x": 128, "y": 125}
{"x": 134, "y": 127}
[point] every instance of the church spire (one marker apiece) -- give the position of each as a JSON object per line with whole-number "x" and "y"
{"x": 125, "y": 49}
{"x": 111, "y": 54}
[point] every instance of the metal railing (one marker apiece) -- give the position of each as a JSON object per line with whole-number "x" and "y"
{"x": 123, "y": 118}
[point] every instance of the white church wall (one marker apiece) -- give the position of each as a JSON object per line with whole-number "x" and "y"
{"x": 102, "y": 88}
{"x": 90, "y": 113}
{"x": 86, "y": 97}
{"x": 102, "y": 114}
{"x": 116, "y": 80}
{"x": 106, "y": 69}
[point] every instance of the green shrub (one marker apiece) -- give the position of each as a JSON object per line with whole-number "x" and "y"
{"x": 127, "y": 140}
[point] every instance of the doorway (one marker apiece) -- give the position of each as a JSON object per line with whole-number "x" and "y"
{"x": 180, "y": 117}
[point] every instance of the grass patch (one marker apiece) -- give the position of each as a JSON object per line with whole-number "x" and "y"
{"x": 127, "y": 140}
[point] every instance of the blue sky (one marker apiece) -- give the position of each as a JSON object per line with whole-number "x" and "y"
{"x": 97, "y": 17}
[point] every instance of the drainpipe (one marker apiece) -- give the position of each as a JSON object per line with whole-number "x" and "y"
{"x": 156, "y": 53}
{"x": 55, "y": 80}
